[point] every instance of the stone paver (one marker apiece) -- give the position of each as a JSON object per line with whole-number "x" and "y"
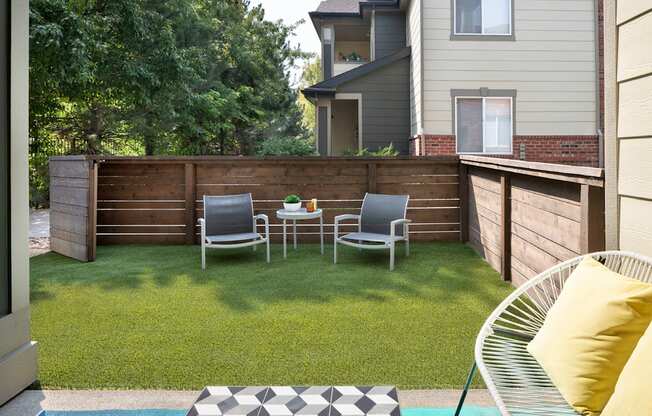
{"x": 31, "y": 402}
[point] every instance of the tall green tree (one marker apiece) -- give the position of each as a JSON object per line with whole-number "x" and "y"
{"x": 182, "y": 76}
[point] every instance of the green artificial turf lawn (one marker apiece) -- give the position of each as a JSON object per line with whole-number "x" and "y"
{"x": 148, "y": 317}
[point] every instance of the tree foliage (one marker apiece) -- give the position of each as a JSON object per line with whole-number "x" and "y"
{"x": 311, "y": 75}
{"x": 181, "y": 76}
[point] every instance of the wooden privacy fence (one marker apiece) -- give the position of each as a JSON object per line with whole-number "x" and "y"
{"x": 73, "y": 188}
{"x": 525, "y": 217}
{"x": 522, "y": 217}
{"x": 158, "y": 200}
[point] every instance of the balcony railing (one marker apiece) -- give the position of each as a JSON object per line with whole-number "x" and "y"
{"x": 344, "y": 66}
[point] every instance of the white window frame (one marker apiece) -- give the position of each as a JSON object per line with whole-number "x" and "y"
{"x": 484, "y": 111}
{"x": 482, "y": 33}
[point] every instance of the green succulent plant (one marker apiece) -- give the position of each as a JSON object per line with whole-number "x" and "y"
{"x": 292, "y": 199}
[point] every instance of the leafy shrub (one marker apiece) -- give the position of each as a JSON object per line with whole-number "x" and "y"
{"x": 388, "y": 151}
{"x": 292, "y": 199}
{"x": 286, "y": 146}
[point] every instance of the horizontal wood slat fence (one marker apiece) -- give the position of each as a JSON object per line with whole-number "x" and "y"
{"x": 72, "y": 194}
{"x": 525, "y": 217}
{"x": 552, "y": 212}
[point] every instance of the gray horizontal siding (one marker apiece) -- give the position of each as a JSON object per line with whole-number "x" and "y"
{"x": 385, "y": 106}
{"x": 389, "y": 33}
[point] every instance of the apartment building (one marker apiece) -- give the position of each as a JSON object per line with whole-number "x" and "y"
{"x": 509, "y": 78}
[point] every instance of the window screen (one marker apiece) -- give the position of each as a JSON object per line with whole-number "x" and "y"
{"x": 486, "y": 17}
{"x": 468, "y": 16}
{"x": 484, "y": 125}
{"x": 469, "y": 125}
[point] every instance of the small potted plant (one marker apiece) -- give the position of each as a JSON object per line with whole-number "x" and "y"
{"x": 292, "y": 203}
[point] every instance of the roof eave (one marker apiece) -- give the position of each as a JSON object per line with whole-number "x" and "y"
{"x": 311, "y": 92}
{"x": 329, "y": 86}
{"x": 316, "y": 15}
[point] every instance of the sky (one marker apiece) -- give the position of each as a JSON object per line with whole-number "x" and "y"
{"x": 291, "y": 11}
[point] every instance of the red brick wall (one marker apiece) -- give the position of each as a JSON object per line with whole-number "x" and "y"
{"x": 430, "y": 145}
{"x": 569, "y": 150}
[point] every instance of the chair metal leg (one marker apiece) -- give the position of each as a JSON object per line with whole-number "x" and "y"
{"x": 203, "y": 256}
{"x": 406, "y": 233}
{"x": 335, "y": 251}
{"x": 392, "y": 246}
{"x": 268, "y": 255}
{"x": 469, "y": 380}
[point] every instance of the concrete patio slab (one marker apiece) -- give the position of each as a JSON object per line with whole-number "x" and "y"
{"x": 39, "y": 223}
{"x": 31, "y": 402}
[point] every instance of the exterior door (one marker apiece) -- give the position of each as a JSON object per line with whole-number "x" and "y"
{"x": 344, "y": 139}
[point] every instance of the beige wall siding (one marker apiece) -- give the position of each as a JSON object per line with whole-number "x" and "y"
{"x": 17, "y": 352}
{"x": 414, "y": 40}
{"x": 551, "y": 64}
{"x": 629, "y": 125}
{"x": 628, "y": 9}
{"x": 635, "y": 225}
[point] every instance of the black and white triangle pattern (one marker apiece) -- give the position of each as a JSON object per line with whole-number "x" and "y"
{"x": 301, "y": 401}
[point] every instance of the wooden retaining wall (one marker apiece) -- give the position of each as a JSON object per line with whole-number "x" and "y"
{"x": 72, "y": 206}
{"x": 525, "y": 217}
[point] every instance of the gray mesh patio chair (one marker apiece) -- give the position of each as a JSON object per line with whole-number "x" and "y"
{"x": 516, "y": 381}
{"x": 381, "y": 224}
{"x": 229, "y": 222}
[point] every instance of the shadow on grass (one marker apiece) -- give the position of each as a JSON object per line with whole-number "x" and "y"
{"x": 243, "y": 281}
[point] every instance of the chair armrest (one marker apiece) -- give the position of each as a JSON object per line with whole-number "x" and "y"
{"x": 343, "y": 217}
{"x": 403, "y": 221}
{"x": 263, "y": 217}
{"x": 346, "y": 217}
{"x": 202, "y": 224}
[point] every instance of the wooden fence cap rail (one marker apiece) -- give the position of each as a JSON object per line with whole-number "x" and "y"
{"x": 194, "y": 159}
{"x": 565, "y": 173}
{"x": 70, "y": 158}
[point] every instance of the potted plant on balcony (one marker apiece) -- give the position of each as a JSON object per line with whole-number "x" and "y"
{"x": 353, "y": 57}
{"x": 292, "y": 203}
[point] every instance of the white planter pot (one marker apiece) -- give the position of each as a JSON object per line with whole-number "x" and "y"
{"x": 292, "y": 207}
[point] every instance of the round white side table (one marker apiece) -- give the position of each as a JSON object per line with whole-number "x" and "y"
{"x": 295, "y": 216}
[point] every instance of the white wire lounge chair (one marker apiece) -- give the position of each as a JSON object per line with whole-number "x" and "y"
{"x": 229, "y": 222}
{"x": 381, "y": 224}
{"x": 514, "y": 378}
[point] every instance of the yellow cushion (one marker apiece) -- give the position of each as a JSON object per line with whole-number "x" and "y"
{"x": 590, "y": 333}
{"x": 632, "y": 394}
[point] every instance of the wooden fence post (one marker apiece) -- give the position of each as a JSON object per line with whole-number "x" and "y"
{"x": 91, "y": 233}
{"x": 506, "y": 226}
{"x": 190, "y": 188}
{"x": 592, "y": 226}
{"x": 371, "y": 178}
{"x": 463, "y": 172}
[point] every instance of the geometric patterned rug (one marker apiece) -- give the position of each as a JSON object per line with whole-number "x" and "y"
{"x": 301, "y": 401}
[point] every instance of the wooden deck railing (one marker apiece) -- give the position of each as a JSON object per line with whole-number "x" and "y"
{"x": 522, "y": 217}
